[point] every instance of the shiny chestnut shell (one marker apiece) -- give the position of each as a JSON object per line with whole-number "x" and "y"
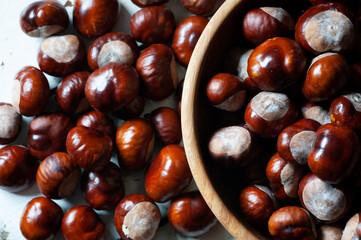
{"x": 99, "y": 121}
{"x": 202, "y": 7}
{"x": 132, "y": 110}
{"x": 146, "y": 3}
{"x": 10, "y": 122}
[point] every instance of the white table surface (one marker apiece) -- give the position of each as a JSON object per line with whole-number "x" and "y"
{"x": 18, "y": 50}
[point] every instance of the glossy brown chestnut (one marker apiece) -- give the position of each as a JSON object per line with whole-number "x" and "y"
{"x": 17, "y": 168}
{"x": 268, "y": 113}
{"x": 93, "y": 18}
{"x": 276, "y": 63}
{"x": 329, "y": 232}
{"x": 58, "y": 176}
{"x": 61, "y": 55}
{"x": 103, "y": 189}
{"x": 202, "y": 7}
{"x": 81, "y": 223}
{"x": 168, "y": 175}
{"x": 118, "y": 47}
{"x": 111, "y": 87}
{"x": 186, "y": 36}
{"x": 315, "y": 112}
{"x": 10, "y": 123}
{"x": 157, "y": 68}
{"x": 47, "y": 134}
{"x": 132, "y": 110}
{"x": 137, "y": 217}
{"x": 352, "y": 229}
{"x": 167, "y": 125}
{"x": 190, "y": 215}
{"x": 70, "y": 93}
{"x": 146, "y": 3}
{"x": 135, "y": 141}
{"x": 41, "y": 219}
{"x": 98, "y": 120}
{"x": 31, "y": 91}
{"x": 335, "y": 152}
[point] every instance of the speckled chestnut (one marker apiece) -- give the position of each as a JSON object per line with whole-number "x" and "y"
{"x": 81, "y": 223}
{"x": 103, "y": 189}
{"x": 352, "y": 229}
{"x": 31, "y": 91}
{"x": 202, "y": 7}
{"x": 111, "y": 87}
{"x": 263, "y": 23}
{"x": 93, "y": 18}
{"x": 98, "y": 120}
{"x": 89, "y": 148}
{"x": 315, "y": 112}
{"x": 168, "y": 175}
{"x": 132, "y": 110}
{"x": 10, "y": 123}
{"x": 335, "y": 152}
{"x": 329, "y": 232}
{"x": 58, "y": 176}
{"x": 41, "y": 219}
{"x": 157, "y": 68}
{"x": 294, "y": 142}
{"x": 316, "y": 29}
{"x": 276, "y": 63}
{"x": 257, "y": 203}
{"x": 269, "y": 113}
{"x": 190, "y": 215}
{"x": 44, "y": 18}
{"x": 167, "y": 125}
{"x": 135, "y": 141}
{"x": 61, "y": 55}
{"x": 146, "y": 3}
{"x": 70, "y": 93}
{"x": 17, "y": 168}
{"x": 186, "y": 36}
{"x": 47, "y": 134}
{"x": 137, "y": 217}
{"x": 118, "y": 47}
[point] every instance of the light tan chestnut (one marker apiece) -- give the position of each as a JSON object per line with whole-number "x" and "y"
{"x": 353, "y": 228}
{"x": 329, "y": 232}
{"x": 315, "y": 112}
{"x": 10, "y": 123}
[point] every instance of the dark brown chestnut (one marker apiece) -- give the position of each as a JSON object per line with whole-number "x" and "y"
{"x": 10, "y": 123}
{"x": 146, "y": 3}
{"x": 352, "y": 229}
{"x": 202, "y": 7}
{"x": 315, "y": 112}
{"x": 132, "y": 110}
{"x": 98, "y": 120}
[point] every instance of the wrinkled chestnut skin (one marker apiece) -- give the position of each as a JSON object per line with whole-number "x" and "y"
{"x": 146, "y": 3}
{"x": 33, "y": 91}
{"x": 111, "y": 87}
{"x": 167, "y": 125}
{"x": 58, "y": 176}
{"x": 152, "y": 25}
{"x": 202, "y": 7}
{"x": 335, "y": 152}
{"x": 157, "y": 68}
{"x": 276, "y": 63}
{"x": 190, "y": 215}
{"x": 186, "y": 36}
{"x": 44, "y": 18}
{"x": 135, "y": 141}
{"x": 89, "y": 148}
{"x": 103, "y": 189}
{"x": 81, "y": 223}
{"x": 168, "y": 175}
{"x": 10, "y": 120}
{"x": 70, "y": 93}
{"x": 93, "y": 18}
{"x": 343, "y": 112}
{"x": 47, "y": 134}
{"x": 17, "y": 168}
{"x": 41, "y": 219}
{"x": 99, "y": 121}
{"x": 132, "y": 110}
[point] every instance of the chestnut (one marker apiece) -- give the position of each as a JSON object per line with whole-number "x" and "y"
{"x": 157, "y": 68}
{"x": 81, "y": 222}
{"x": 111, "y": 87}
{"x": 226, "y": 91}
{"x": 292, "y": 222}
{"x": 93, "y": 18}
{"x": 44, "y": 18}
{"x": 329, "y": 232}
{"x": 103, "y": 189}
{"x": 154, "y": 24}
{"x": 263, "y": 23}
{"x": 167, "y": 125}
{"x": 31, "y": 91}
{"x": 186, "y": 36}
{"x": 257, "y": 204}
{"x": 190, "y": 215}
{"x": 10, "y": 123}
{"x": 41, "y": 219}
{"x": 58, "y": 176}
{"x": 61, "y": 55}
{"x": 70, "y": 93}
{"x": 137, "y": 217}
{"x": 352, "y": 229}
{"x": 132, "y": 110}
{"x": 335, "y": 152}
{"x": 135, "y": 141}
{"x": 276, "y": 63}
{"x": 145, "y": 3}
{"x": 118, "y": 47}
{"x": 17, "y": 168}
{"x": 268, "y": 113}
{"x": 202, "y": 7}
{"x": 168, "y": 175}
{"x": 99, "y": 121}
{"x": 315, "y": 112}
{"x": 47, "y": 134}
